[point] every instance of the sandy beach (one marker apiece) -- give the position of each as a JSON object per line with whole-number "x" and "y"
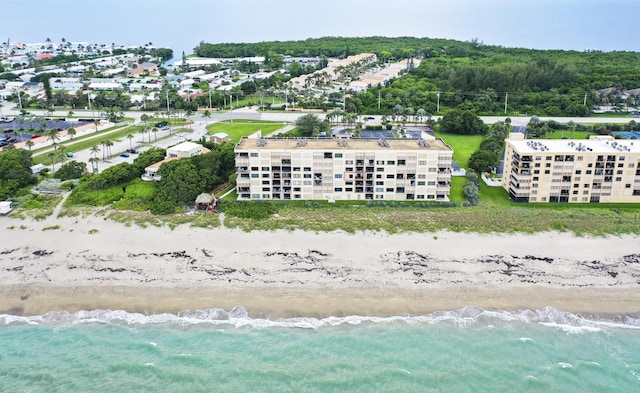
{"x": 90, "y": 263}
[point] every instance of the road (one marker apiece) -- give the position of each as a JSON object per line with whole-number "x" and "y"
{"x": 199, "y": 127}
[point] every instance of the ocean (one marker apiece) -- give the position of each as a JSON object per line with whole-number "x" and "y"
{"x": 467, "y": 350}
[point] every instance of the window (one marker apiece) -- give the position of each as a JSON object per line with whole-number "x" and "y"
{"x": 402, "y": 162}
{"x": 431, "y": 183}
{"x": 547, "y": 165}
{"x": 307, "y": 176}
{"x": 265, "y": 182}
{"x": 328, "y": 155}
{"x": 254, "y": 154}
{"x": 619, "y": 172}
{"x": 265, "y": 169}
{"x": 537, "y": 165}
{"x": 422, "y": 176}
{"x": 578, "y": 172}
{"x": 421, "y": 183}
{"x": 379, "y": 183}
{"x": 254, "y": 168}
{"x": 536, "y": 172}
{"x": 422, "y": 162}
{"x": 546, "y": 172}
{"x": 536, "y": 178}
{"x": 390, "y": 176}
{"x": 338, "y": 175}
{"x": 286, "y": 161}
{"x": 618, "y": 178}
{"x": 307, "y": 169}
{"x": 420, "y": 196}
{"x": 348, "y": 162}
{"x": 255, "y": 175}
{"x": 338, "y": 189}
{"x": 389, "y": 189}
{"x": 255, "y": 196}
{"x": 548, "y": 158}
{"x": 391, "y": 162}
{"x": 379, "y": 189}
{"x": 380, "y": 169}
{"x": 338, "y": 155}
{"x": 589, "y": 171}
{"x": 380, "y": 162}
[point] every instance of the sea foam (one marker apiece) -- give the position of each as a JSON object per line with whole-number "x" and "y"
{"x": 239, "y": 317}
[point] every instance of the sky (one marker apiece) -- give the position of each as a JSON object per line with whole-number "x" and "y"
{"x": 606, "y": 25}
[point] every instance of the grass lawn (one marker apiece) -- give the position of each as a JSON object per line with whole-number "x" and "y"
{"x": 78, "y": 144}
{"x": 457, "y": 189}
{"x": 558, "y": 134}
{"x": 463, "y": 146}
{"x": 240, "y": 128}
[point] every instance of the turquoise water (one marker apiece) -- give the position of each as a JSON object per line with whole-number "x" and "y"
{"x": 469, "y": 350}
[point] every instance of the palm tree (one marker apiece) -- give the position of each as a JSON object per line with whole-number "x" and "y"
{"x": 29, "y": 143}
{"x": 71, "y": 131}
{"x": 52, "y": 135}
{"x": 96, "y": 123}
{"x": 94, "y": 164}
{"x": 52, "y": 157}
{"x": 206, "y": 114}
{"x": 104, "y": 149}
{"x": 155, "y": 134}
{"x": 108, "y": 144}
{"x": 130, "y": 138}
{"x": 70, "y": 114}
{"x": 95, "y": 149}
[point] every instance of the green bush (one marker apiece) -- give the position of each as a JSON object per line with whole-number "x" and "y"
{"x": 255, "y": 210}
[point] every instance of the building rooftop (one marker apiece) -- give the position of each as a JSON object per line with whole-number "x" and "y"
{"x": 598, "y": 144}
{"x": 341, "y": 143}
{"x": 185, "y": 146}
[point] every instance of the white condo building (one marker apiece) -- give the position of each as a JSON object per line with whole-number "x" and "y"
{"x": 600, "y": 169}
{"x": 343, "y": 169}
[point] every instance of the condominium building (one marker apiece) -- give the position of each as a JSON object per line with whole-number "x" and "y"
{"x": 600, "y": 169}
{"x": 343, "y": 169}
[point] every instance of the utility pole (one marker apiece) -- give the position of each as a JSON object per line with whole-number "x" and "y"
{"x": 585, "y": 99}
{"x": 438, "y": 106}
{"x": 167, "y": 101}
{"x": 231, "y": 106}
{"x": 210, "y": 107}
{"x": 378, "y": 100}
{"x": 506, "y": 99}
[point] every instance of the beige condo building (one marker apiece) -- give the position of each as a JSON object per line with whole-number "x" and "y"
{"x": 343, "y": 169}
{"x": 600, "y": 169}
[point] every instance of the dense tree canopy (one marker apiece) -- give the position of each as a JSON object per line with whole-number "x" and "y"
{"x": 14, "y": 172}
{"x": 462, "y": 122}
{"x": 310, "y": 125}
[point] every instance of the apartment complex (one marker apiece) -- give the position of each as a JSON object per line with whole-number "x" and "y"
{"x": 600, "y": 169}
{"x": 343, "y": 169}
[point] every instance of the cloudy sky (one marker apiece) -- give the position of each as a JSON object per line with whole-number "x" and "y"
{"x": 542, "y": 24}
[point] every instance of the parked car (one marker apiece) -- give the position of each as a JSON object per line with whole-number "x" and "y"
{"x": 165, "y": 128}
{"x": 12, "y": 139}
{"x": 69, "y": 154}
{"x": 132, "y": 151}
{"x": 34, "y": 136}
{"x": 125, "y": 155}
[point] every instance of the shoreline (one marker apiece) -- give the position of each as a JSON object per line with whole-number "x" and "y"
{"x": 277, "y": 303}
{"x": 71, "y": 264}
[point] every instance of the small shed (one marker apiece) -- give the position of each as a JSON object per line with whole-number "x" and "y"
{"x": 5, "y": 207}
{"x": 35, "y": 169}
{"x": 219, "y": 137}
{"x": 204, "y": 201}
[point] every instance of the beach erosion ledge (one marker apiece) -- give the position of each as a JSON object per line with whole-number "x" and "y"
{"x": 93, "y": 264}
